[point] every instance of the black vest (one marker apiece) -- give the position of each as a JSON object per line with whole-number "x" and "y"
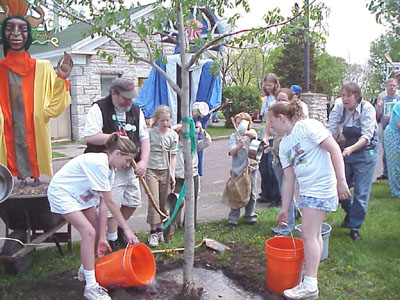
{"x": 110, "y": 124}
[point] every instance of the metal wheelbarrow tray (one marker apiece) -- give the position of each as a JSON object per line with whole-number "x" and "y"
{"x": 32, "y": 222}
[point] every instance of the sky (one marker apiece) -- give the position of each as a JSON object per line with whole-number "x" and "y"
{"x": 351, "y": 26}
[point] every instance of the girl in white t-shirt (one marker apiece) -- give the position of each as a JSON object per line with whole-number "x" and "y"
{"x": 309, "y": 154}
{"x": 75, "y": 191}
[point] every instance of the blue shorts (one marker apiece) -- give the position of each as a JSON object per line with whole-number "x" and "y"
{"x": 324, "y": 204}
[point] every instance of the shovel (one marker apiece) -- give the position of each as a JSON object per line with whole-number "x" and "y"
{"x": 210, "y": 243}
{"x": 150, "y": 196}
{"x": 389, "y": 59}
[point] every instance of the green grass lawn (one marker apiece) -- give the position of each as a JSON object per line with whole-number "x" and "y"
{"x": 366, "y": 269}
{"x": 55, "y": 154}
{"x": 216, "y": 131}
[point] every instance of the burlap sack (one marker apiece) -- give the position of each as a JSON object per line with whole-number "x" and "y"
{"x": 237, "y": 190}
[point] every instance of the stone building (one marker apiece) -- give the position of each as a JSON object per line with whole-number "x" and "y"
{"x": 317, "y": 106}
{"x": 92, "y": 74}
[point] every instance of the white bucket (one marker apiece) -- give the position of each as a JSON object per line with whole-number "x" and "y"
{"x": 243, "y": 125}
{"x": 325, "y": 232}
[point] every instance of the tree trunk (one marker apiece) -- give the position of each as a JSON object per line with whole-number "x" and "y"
{"x": 188, "y": 281}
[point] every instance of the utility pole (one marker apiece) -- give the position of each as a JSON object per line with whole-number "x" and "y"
{"x": 307, "y": 52}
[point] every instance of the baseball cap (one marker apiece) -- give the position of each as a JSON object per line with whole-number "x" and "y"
{"x": 295, "y": 89}
{"x": 125, "y": 87}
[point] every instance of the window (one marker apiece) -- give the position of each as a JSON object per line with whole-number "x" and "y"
{"x": 105, "y": 82}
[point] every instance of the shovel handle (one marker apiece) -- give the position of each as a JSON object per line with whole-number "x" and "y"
{"x": 150, "y": 195}
{"x": 389, "y": 59}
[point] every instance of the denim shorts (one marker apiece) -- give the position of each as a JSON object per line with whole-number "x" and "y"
{"x": 324, "y": 204}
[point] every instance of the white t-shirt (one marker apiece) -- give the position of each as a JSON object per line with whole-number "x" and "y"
{"x": 94, "y": 123}
{"x": 180, "y": 162}
{"x": 311, "y": 163}
{"x": 305, "y": 109}
{"x": 77, "y": 184}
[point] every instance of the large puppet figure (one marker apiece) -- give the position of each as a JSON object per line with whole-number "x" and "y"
{"x": 30, "y": 94}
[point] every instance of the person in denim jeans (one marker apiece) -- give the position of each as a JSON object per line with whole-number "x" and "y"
{"x": 360, "y": 152}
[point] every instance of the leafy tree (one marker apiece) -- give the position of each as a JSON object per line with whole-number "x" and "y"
{"x": 386, "y": 43}
{"x": 387, "y": 10}
{"x": 244, "y": 98}
{"x": 112, "y": 20}
{"x": 230, "y": 57}
{"x": 360, "y": 74}
{"x": 330, "y": 74}
{"x": 251, "y": 65}
{"x": 290, "y": 65}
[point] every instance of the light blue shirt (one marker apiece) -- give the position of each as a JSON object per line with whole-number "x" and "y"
{"x": 366, "y": 117}
{"x": 395, "y": 117}
{"x": 267, "y": 103}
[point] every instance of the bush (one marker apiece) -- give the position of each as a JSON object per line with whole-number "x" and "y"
{"x": 243, "y": 98}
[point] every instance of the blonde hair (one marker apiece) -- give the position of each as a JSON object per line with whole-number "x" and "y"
{"x": 271, "y": 77}
{"x": 292, "y": 110}
{"x": 125, "y": 145}
{"x": 243, "y": 116}
{"x": 160, "y": 110}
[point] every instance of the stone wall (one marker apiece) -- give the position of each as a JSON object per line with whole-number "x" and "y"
{"x": 317, "y": 106}
{"x": 85, "y": 79}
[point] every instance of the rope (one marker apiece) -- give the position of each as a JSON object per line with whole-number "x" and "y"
{"x": 191, "y": 134}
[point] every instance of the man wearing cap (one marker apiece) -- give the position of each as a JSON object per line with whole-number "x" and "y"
{"x": 117, "y": 113}
{"x": 297, "y": 90}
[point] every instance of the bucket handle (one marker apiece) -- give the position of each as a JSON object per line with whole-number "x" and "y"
{"x": 124, "y": 256}
{"x": 291, "y": 234}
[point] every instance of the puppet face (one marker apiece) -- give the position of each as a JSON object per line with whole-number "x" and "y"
{"x": 16, "y": 32}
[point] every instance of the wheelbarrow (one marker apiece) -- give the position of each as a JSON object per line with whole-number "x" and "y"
{"x": 32, "y": 223}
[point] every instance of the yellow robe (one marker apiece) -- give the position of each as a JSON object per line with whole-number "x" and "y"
{"x": 51, "y": 97}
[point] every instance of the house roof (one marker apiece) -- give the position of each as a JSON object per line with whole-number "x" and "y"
{"x": 68, "y": 38}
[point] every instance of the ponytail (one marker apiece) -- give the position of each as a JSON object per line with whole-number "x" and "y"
{"x": 292, "y": 110}
{"x": 125, "y": 145}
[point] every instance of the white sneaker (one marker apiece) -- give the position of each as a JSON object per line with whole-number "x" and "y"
{"x": 300, "y": 292}
{"x": 81, "y": 275}
{"x": 153, "y": 240}
{"x": 160, "y": 237}
{"x": 96, "y": 292}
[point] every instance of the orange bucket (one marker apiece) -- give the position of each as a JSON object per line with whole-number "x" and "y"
{"x": 133, "y": 266}
{"x": 285, "y": 257}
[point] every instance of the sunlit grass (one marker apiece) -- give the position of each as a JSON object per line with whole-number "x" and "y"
{"x": 366, "y": 269}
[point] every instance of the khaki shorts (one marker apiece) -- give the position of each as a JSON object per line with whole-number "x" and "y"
{"x": 126, "y": 191}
